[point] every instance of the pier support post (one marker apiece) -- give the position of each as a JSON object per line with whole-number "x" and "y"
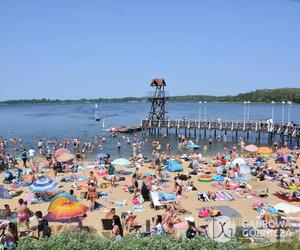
{"x": 290, "y": 140}
{"x": 282, "y": 139}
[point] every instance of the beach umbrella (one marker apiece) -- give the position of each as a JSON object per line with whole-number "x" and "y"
{"x": 264, "y": 150}
{"x": 61, "y": 151}
{"x": 121, "y": 162}
{"x": 60, "y": 199}
{"x": 68, "y": 211}
{"x": 245, "y": 169}
{"x": 4, "y": 193}
{"x": 43, "y": 184}
{"x": 103, "y": 156}
{"x": 251, "y": 148}
{"x": 241, "y": 161}
{"x": 77, "y": 219}
{"x": 65, "y": 157}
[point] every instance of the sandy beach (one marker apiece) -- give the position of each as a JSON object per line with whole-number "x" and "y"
{"x": 190, "y": 202}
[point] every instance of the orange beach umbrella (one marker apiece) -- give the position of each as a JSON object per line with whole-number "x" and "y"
{"x": 264, "y": 150}
{"x": 68, "y": 210}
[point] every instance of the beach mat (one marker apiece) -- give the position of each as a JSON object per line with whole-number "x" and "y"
{"x": 225, "y": 211}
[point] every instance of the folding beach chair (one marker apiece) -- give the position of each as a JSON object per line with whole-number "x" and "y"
{"x": 155, "y": 200}
{"x": 107, "y": 224}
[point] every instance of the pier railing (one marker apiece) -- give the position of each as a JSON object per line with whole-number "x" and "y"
{"x": 262, "y": 126}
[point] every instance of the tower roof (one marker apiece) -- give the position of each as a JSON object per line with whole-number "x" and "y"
{"x": 158, "y": 82}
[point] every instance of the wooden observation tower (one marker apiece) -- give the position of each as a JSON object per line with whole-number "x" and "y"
{"x": 158, "y": 100}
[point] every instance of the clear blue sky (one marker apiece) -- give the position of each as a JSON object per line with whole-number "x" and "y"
{"x": 74, "y": 49}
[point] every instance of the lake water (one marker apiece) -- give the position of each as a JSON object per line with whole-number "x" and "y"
{"x": 32, "y": 122}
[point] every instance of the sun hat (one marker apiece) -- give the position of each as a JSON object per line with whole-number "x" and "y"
{"x": 190, "y": 219}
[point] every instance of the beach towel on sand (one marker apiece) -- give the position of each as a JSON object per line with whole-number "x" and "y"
{"x": 221, "y": 196}
{"x": 287, "y": 197}
{"x": 287, "y": 208}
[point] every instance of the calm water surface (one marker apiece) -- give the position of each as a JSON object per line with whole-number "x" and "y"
{"x": 32, "y": 122}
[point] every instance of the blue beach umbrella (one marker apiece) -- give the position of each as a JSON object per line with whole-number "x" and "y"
{"x": 43, "y": 184}
{"x": 121, "y": 162}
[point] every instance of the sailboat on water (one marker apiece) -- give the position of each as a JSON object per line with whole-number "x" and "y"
{"x": 97, "y": 117}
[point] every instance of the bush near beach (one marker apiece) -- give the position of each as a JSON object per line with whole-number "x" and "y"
{"x": 83, "y": 241}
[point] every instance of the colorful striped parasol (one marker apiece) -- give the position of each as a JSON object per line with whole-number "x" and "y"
{"x": 68, "y": 211}
{"x": 42, "y": 185}
{"x": 60, "y": 199}
{"x": 61, "y": 151}
{"x": 65, "y": 157}
{"x": 77, "y": 219}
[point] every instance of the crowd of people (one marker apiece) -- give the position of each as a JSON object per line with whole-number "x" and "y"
{"x": 25, "y": 166}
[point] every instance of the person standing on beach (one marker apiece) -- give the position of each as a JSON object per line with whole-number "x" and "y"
{"x": 55, "y": 166}
{"x": 23, "y": 214}
{"x": 135, "y": 185}
{"x": 111, "y": 174}
{"x": 40, "y": 147}
{"x": 92, "y": 178}
{"x": 24, "y": 157}
{"x": 92, "y": 194}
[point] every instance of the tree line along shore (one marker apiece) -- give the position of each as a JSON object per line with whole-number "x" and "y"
{"x": 257, "y": 96}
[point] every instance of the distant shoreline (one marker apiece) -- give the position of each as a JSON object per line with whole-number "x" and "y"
{"x": 258, "y": 96}
{"x": 71, "y": 103}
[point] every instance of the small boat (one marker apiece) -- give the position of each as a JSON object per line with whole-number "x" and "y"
{"x": 130, "y": 129}
{"x": 124, "y": 130}
{"x": 111, "y": 129}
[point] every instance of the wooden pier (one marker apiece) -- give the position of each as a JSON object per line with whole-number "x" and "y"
{"x": 191, "y": 127}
